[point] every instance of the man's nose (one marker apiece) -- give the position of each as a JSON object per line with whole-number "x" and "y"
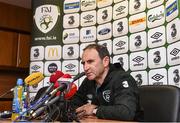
{"x": 86, "y": 67}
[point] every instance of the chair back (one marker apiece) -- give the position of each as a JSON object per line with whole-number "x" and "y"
{"x": 160, "y": 103}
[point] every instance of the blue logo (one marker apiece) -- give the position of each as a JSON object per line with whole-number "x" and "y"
{"x": 171, "y": 8}
{"x": 71, "y": 5}
{"x": 104, "y": 31}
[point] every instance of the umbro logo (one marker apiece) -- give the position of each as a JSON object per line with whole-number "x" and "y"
{"x": 88, "y": 17}
{"x": 120, "y": 43}
{"x": 70, "y": 66}
{"x": 156, "y": 35}
{"x": 120, "y": 9}
{"x": 175, "y": 51}
{"x": 138, "y": 59}
{"x": 35, "y": 67}
{"x": 157, "y": 77}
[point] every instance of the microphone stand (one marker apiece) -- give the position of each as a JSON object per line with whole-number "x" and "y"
{"x": 64, "y": 111}
{"x": 67, "y": 113}
{"x": 61, "y": 107}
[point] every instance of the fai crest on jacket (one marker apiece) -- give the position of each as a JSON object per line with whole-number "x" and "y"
{"x": 46, "y": 17}
{"x": 106, "y": 95}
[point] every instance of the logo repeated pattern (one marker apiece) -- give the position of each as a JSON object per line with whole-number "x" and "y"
{"x": 142, "y": 35}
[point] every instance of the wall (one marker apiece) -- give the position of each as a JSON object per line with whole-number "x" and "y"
{"x": 15, "y": 38}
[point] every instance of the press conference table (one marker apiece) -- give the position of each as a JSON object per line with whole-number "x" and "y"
{"x": 85, "y": 120}
{"x": 95, "y": 119}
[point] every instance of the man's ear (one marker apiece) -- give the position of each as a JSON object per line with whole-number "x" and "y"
{"x": 106, "y": 61}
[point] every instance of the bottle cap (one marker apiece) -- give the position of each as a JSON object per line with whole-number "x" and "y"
{"x": 19, "y": 81}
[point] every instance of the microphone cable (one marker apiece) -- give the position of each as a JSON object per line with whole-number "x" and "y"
{"x": 7, "y": 92}
{"x": 53, "y": 113}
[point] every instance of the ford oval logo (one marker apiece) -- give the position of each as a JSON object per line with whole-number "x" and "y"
{"x": 104, "y": 31}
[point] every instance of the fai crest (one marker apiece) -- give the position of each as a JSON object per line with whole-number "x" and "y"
{"x": 106, "y": 95}
{"x": 46, "y": 17}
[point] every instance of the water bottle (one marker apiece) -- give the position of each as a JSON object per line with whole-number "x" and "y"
{"x": 24, "y": 114}
{"x": 17, "y": 100}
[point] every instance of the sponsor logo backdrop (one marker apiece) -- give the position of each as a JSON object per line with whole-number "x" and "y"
{"x": 142, "y": 35}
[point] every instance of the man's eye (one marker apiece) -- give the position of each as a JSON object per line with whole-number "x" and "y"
{"x": 90, "y": 61}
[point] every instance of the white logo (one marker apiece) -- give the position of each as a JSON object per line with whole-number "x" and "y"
{"x": 88, "y": 18}
{"x": 120, "y": 10}
{"x": 120, "y": 45}
{"x": 156, "y": 17}
{"x": 70, "y": 36}
{"x": 157, "y": 57}
{"x": 137, "y": 22}
{"x": 88, "y": 34}
{"x": 70, "y": 67}
{"x": 125, "y": 84}
{"x": 138, "y": 60}
{"x": 88, "y": 5}
{"x": 138, "y": 41}
{"x": 120, "y": 27}
{"x": 154, "y": 3}
{"x": 173, "y": 52}
{"x": 158, "y": 77}
{"x": 106, "y": 95}
{"x": 137, "y": 6}
{"x": 156, "y": 37}
{"x": 46, "y": 17}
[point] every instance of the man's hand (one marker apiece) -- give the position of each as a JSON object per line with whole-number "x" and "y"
{"x": 85, "y": 110}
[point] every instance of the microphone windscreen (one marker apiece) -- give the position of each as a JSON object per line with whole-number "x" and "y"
{"x": 34, "y": 78}
{"x": 66, "y": 76}
{"x": 71, "y": 92}
{"x": 56, "y": 84}
{"x": 54, "y": 77}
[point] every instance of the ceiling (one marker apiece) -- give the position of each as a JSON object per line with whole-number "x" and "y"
{"x": 21, "y": 3}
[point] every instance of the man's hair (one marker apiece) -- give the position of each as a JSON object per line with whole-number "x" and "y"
{"x": 102, "y": 50}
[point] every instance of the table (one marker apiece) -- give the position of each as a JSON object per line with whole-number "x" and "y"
{"x": 95, "y": 119}
{"x": 85, "y": 120}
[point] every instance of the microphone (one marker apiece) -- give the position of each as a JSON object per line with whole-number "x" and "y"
{"x": 31, "y": 80}
{"x": 41, "y": 109}
{"x": 72, "y": 87}
{"x": 71, "y": 92}
{"x": 56, "y": 85}
{"x": 53, "y": 78}
{"x": 45, "y": 95}
{"x": 34, "y": 78}
{"x": 68, "y": 95}
{"x": 65, "y": 84}
{"x": 5, "y": 114}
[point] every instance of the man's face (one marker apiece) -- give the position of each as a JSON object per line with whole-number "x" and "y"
{"x": 92, "y": 64}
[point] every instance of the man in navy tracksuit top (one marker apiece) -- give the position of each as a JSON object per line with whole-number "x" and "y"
{"x": 108, "y": 92}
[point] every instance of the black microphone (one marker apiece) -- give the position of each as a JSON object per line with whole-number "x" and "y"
{"x": 5, "y": 114}
{"x": 44, "y": 107}
{"x": 78, "y": 76}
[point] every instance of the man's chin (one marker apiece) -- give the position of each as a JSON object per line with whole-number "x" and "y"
{"x": 90, "y": 78}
